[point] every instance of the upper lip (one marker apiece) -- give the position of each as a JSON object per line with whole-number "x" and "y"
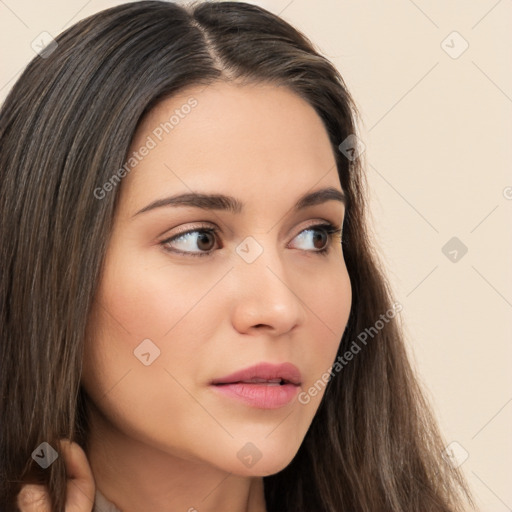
{"x": 287, "y": 372}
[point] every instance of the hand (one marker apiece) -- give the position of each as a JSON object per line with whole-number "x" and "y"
{"x": 80, "y": 486}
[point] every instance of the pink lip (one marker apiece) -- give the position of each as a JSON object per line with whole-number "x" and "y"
{"x": 263, "y": 395}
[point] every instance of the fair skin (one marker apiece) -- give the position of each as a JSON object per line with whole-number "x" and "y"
{"x": 161, "y": 439}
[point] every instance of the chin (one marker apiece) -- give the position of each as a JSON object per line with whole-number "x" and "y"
{"x": 266, "y": 465}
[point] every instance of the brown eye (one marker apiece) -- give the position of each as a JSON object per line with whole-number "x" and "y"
{"x": 205, "y": 241}
{"x": 320, "y": 239}
{"x": 189, "y": 243}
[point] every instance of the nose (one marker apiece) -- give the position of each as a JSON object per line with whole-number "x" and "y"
{"x": 265, "y": 296}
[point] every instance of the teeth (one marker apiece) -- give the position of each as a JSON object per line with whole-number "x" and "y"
{"x": 266, "y": 381}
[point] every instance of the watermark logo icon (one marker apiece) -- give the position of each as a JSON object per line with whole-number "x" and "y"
{"x": 352, "y": 147}
{"x": 44, "y": 45}
{"x": 249, "y": 250}
{"x": 146, "y": 352}
{"x": 455, "y": 454}
{"x": 454, "y": 249}
{"x": 45, "y": 455}
{"x": 454, "y": 45}
{"x": 249, "y": 454}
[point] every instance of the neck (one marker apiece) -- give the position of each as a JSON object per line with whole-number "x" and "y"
{"x": 136, "y": 476}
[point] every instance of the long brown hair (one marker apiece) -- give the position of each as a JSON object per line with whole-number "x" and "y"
{"x": 65, "y": 127}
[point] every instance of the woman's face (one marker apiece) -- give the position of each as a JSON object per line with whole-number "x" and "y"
{"x": 170, "y": 317}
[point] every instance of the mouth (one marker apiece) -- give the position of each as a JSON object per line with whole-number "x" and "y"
{"x": 272, "y": 382}
{"x": 264, "y": 373}
{"x": 263, "y": 386}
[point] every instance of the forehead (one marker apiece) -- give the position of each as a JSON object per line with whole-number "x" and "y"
{"x": 246, "y": 138}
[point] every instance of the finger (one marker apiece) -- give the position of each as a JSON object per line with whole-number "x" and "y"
{"x": 80, "y": 487}
{"x": 33, "y": 498}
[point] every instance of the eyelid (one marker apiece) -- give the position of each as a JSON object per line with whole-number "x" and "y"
{"x": 324, "y": 223}
{"x": 190, "y": 228}
{"x": 214, "y": 227}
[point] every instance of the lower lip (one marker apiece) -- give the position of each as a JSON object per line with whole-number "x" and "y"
{"x": 260, "y": 395}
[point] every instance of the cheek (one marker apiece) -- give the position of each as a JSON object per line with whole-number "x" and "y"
{"x": 141, "y": 299}
{"x": 336, "y": 300}
{"x": 148, "y": 402}
{"x": 149, "y": 296}
{"x": 148, "y": 307}
{"x": 328, "y": 303}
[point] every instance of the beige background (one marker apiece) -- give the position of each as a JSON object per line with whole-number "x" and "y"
{"x": 438, "y": 135}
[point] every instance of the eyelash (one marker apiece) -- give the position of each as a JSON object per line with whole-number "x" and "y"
{"x": 331, "y": 230}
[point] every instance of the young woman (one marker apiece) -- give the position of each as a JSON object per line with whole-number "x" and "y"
{"x": 193, "y": 315}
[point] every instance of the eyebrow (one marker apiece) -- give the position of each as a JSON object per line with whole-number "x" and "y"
{"x": 233, "y": 205}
